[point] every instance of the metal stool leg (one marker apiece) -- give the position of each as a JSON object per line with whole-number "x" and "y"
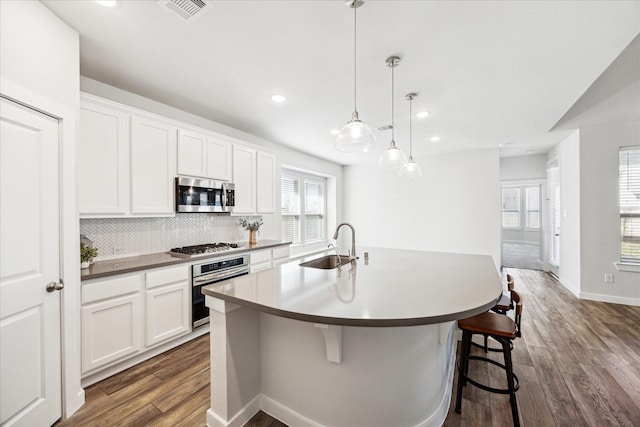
{"x": 512, "y": 392}
{"x": 462, "y": 367}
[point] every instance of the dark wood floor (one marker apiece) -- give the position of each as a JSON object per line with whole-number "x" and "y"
{"x": 578, "y": 363}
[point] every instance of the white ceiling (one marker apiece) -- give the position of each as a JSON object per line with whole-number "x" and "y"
{"x": 491, "y": 73}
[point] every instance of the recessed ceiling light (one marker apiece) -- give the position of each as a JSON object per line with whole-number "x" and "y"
{"x": 435, "y": 138}
{"x": 278, "y": 98}
{"x": 423, "y": 114}
{"x": 334, "y": 131}
{"x": 108, "y": 3}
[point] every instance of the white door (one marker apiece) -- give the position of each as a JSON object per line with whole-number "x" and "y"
{"x": 30, "y": 390}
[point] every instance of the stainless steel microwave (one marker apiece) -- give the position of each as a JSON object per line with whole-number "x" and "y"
{"x": 204, "y": 195}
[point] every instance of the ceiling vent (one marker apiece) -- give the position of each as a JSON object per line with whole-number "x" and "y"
{"x": 387, "y": 127}
{"x": 188, "y": 10}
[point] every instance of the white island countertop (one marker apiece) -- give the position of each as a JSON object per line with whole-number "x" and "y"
{"x": 393, "y": 287}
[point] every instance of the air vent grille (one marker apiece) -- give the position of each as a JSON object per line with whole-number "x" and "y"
{"x": 387, "y": 127}
{"x": 186, "y": 9}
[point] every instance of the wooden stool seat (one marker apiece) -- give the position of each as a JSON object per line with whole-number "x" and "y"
{"x": 490, "y": 324}
{"x": 504, "y": 304}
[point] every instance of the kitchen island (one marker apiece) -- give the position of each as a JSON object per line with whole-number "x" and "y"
{"x": 371, "y": 343}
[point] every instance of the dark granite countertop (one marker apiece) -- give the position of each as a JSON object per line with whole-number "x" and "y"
{"x": 112, "y": 267}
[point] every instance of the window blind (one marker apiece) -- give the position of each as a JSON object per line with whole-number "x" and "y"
{"x": 629, "y": 190}
{"x": 303, "y": 207}
{"x": 511, "y": 207}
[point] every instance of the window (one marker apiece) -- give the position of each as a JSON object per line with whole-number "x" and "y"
{"x": 533, "y": 206}
{"x": 303, "y": 207}
{"x": 630, "y": 204}
{"x": 511, "y": 207}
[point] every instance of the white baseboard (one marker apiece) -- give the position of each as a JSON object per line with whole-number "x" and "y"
{"x": 239, "y": 419}
{"x": 610, "y": 298}
{"x": 285, "y": 414}
{"x": 570, "y": 287}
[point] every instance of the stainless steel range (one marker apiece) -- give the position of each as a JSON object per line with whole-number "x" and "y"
{"x": 202, "y": 250}
{"x": 212, "y": 271}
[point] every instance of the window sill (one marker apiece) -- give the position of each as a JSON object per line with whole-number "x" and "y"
{"x": 627, "y": 266}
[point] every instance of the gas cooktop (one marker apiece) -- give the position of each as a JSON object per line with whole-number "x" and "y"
{"x": 202, "y": 250}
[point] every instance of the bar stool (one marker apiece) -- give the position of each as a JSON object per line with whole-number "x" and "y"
{"x": 502, "y": 329}
{"x": 503, "y": 306}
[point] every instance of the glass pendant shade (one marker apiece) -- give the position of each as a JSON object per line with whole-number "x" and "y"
{"x": 410, "y": 170}
{"x": 392, "y": 158}
{"x": 355, "y": 136}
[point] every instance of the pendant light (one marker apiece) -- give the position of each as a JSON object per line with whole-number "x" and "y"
{"x": 411, "y": 169}
{"x": 355, "y": 135}
{"x": 392, "y": 158}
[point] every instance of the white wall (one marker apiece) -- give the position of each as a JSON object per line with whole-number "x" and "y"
{"x": 454, "y": 207}
{"x": 600, "y": 220}
{"x": 284, "y": 155}
{"x": 567, "y": 153}
{"x": 523, "y": 168}
{"x": 39, "y": 66}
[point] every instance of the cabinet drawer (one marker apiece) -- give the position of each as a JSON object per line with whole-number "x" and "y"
{"x": 256, "y": 257}
{"x": 164, "y": 277}
{"x": 109, "y": 288}
{"x": 281, "y": 252}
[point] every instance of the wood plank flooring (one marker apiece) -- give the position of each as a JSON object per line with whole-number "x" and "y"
{"x": 578, "y": 363}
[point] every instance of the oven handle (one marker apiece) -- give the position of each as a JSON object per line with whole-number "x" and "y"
{"x": 220, "y": 275}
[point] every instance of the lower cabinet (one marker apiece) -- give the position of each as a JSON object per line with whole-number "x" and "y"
{"x": 111, "y": 315}
{"x": 167, "y": 305}
{"x": 126, "y": 315}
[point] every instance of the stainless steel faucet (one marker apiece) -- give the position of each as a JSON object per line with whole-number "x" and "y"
{"x": 352, "y": 255}
{"x": 331, "y": 245}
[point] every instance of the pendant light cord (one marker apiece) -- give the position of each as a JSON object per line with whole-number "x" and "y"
{"x": 355, "y": 62}
{"x": 393, "y": 125}
{"x": 410, "y": 129}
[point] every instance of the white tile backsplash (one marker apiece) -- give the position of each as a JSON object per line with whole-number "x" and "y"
{"x": 125, "y": 237}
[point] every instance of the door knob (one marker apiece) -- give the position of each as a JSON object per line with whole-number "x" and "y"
{"x": 53, "y": 286}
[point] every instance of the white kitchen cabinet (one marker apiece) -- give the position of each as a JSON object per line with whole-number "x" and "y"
{"x": 265, "y": 182}
{"x": 218, "y": 155}
{"x": 204, "y": 155}
{"x": 244, "y": 178}
{"x": 167, "y": 299}
{"x": 254, "y": 177}
{"x": 111, "y": 320}
{"x": 280, "y": 255}
{"x": 103, "y": 159}
{"x": 191, "y": 149}
{"x": 153, "y": 166}
{"x": 259, "y": 260}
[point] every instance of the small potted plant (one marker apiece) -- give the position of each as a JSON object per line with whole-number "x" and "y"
{"x": 87, "y": 253}
{"x": 253, "y": 227}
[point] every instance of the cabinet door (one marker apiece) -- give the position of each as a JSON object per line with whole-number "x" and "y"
{"x": 218, "y": 159}
{"x": 191, "y": 153}
{"x": 153, "y": 166}
{"x": 110, "y": 331}
{"x": 244, "y": 177}
{"x": 265, "y": 182}
{"x": 103, "y": 161}
{"x": 167, "y": 312}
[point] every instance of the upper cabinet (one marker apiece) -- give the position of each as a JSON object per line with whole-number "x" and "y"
{"x": 103, "y": 160}
{"x": 153, "y": 166}
{"x": 128, "y": 160}
{"x": 254, "y": 178}
{"x": 244, "y": 178}
{"x": 204, "y": 155}
{"x": 265, "y": 182}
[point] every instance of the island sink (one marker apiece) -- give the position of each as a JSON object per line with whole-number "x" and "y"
{"x": 327, "y": 262}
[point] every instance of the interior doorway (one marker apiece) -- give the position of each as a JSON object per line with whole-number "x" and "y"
{"x": 522, "y": 225}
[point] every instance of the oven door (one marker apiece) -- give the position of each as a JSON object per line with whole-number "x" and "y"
{"x": 199, "y": 311}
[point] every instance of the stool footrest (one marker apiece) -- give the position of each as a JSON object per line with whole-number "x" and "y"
{"x": 516, "y": 382}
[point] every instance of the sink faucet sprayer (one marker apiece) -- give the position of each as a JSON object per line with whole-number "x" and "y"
{"x": 353, "y": 238}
